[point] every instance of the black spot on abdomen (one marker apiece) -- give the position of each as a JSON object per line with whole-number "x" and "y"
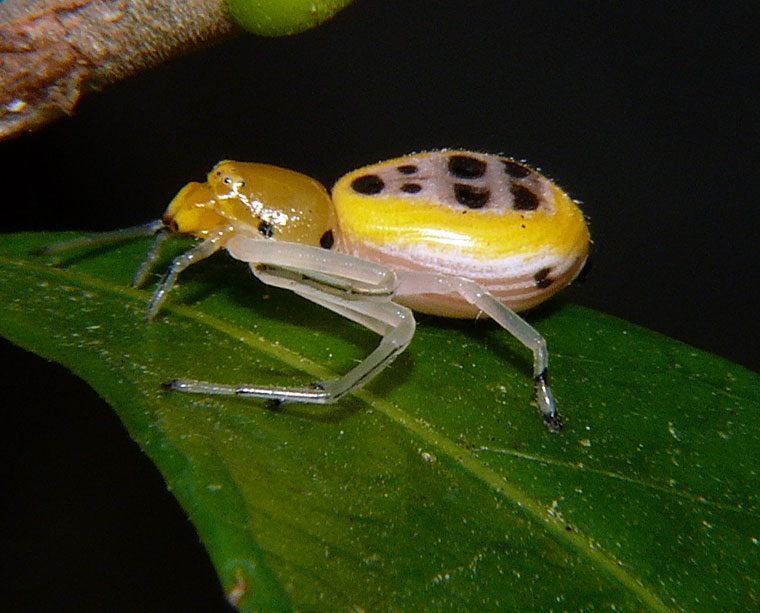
{"x": 411, "y": 188}
{"x": 525, "y": 200}
{"x": 513, "y": 169}
{"x": 542, "y": 278}
{"x": 471, "y": 196}
{"x": 466, "y": 167}
{"x": 368, "y": 185}
{"x": 407, "y": 169}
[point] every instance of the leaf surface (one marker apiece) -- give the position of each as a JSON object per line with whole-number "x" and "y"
{"x": 437, "y": 485}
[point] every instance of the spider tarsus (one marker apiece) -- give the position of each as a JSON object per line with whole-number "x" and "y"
{"x": 555, "y": 423}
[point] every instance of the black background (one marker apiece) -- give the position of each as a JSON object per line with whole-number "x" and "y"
{"x": 645, "y": 113}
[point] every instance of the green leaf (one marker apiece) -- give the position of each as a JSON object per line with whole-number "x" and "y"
{"x": 437, "y": 485}
{"x": 282, "y": 17}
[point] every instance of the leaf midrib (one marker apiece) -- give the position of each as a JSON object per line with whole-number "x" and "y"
{"x": 693, "y": 498}
{"x": 424, "y": 432}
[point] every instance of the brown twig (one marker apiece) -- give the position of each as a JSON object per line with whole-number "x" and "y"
{"x": 52, "y": 51}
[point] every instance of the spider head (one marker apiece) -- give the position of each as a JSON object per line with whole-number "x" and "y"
{"x": 192, "y": 211}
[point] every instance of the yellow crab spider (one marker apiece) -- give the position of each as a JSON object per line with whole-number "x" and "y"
{"x": 450, "y": 233}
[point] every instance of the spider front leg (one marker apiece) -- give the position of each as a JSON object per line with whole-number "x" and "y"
{"x": 155, "y": 228}
{"x": 413, "y": 283}
{"x": 103, "y": 238}
{"x": 159, "y": 230}
{"x": 208, "y": 247}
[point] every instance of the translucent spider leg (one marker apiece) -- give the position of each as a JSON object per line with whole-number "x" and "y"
{"x": 344, "y": 273}
{"x": 202, "y": 250}
{"x": 150, "y": 258}
{"x": 153, "y": 228}
{"x": 347, "y": 290}
{"x": 413, "y": 283}
{"x": 102, "y": 238}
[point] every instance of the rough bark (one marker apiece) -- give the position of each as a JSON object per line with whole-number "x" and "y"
{"x": 53, "y": 51}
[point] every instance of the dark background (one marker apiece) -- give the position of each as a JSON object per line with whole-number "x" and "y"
{"x": 646, "y": 113}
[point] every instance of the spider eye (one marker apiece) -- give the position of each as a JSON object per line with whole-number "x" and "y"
{"x": 327, "y": 240}
{"x": 266, "y": 229}
{"x": 170, "y": 222}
